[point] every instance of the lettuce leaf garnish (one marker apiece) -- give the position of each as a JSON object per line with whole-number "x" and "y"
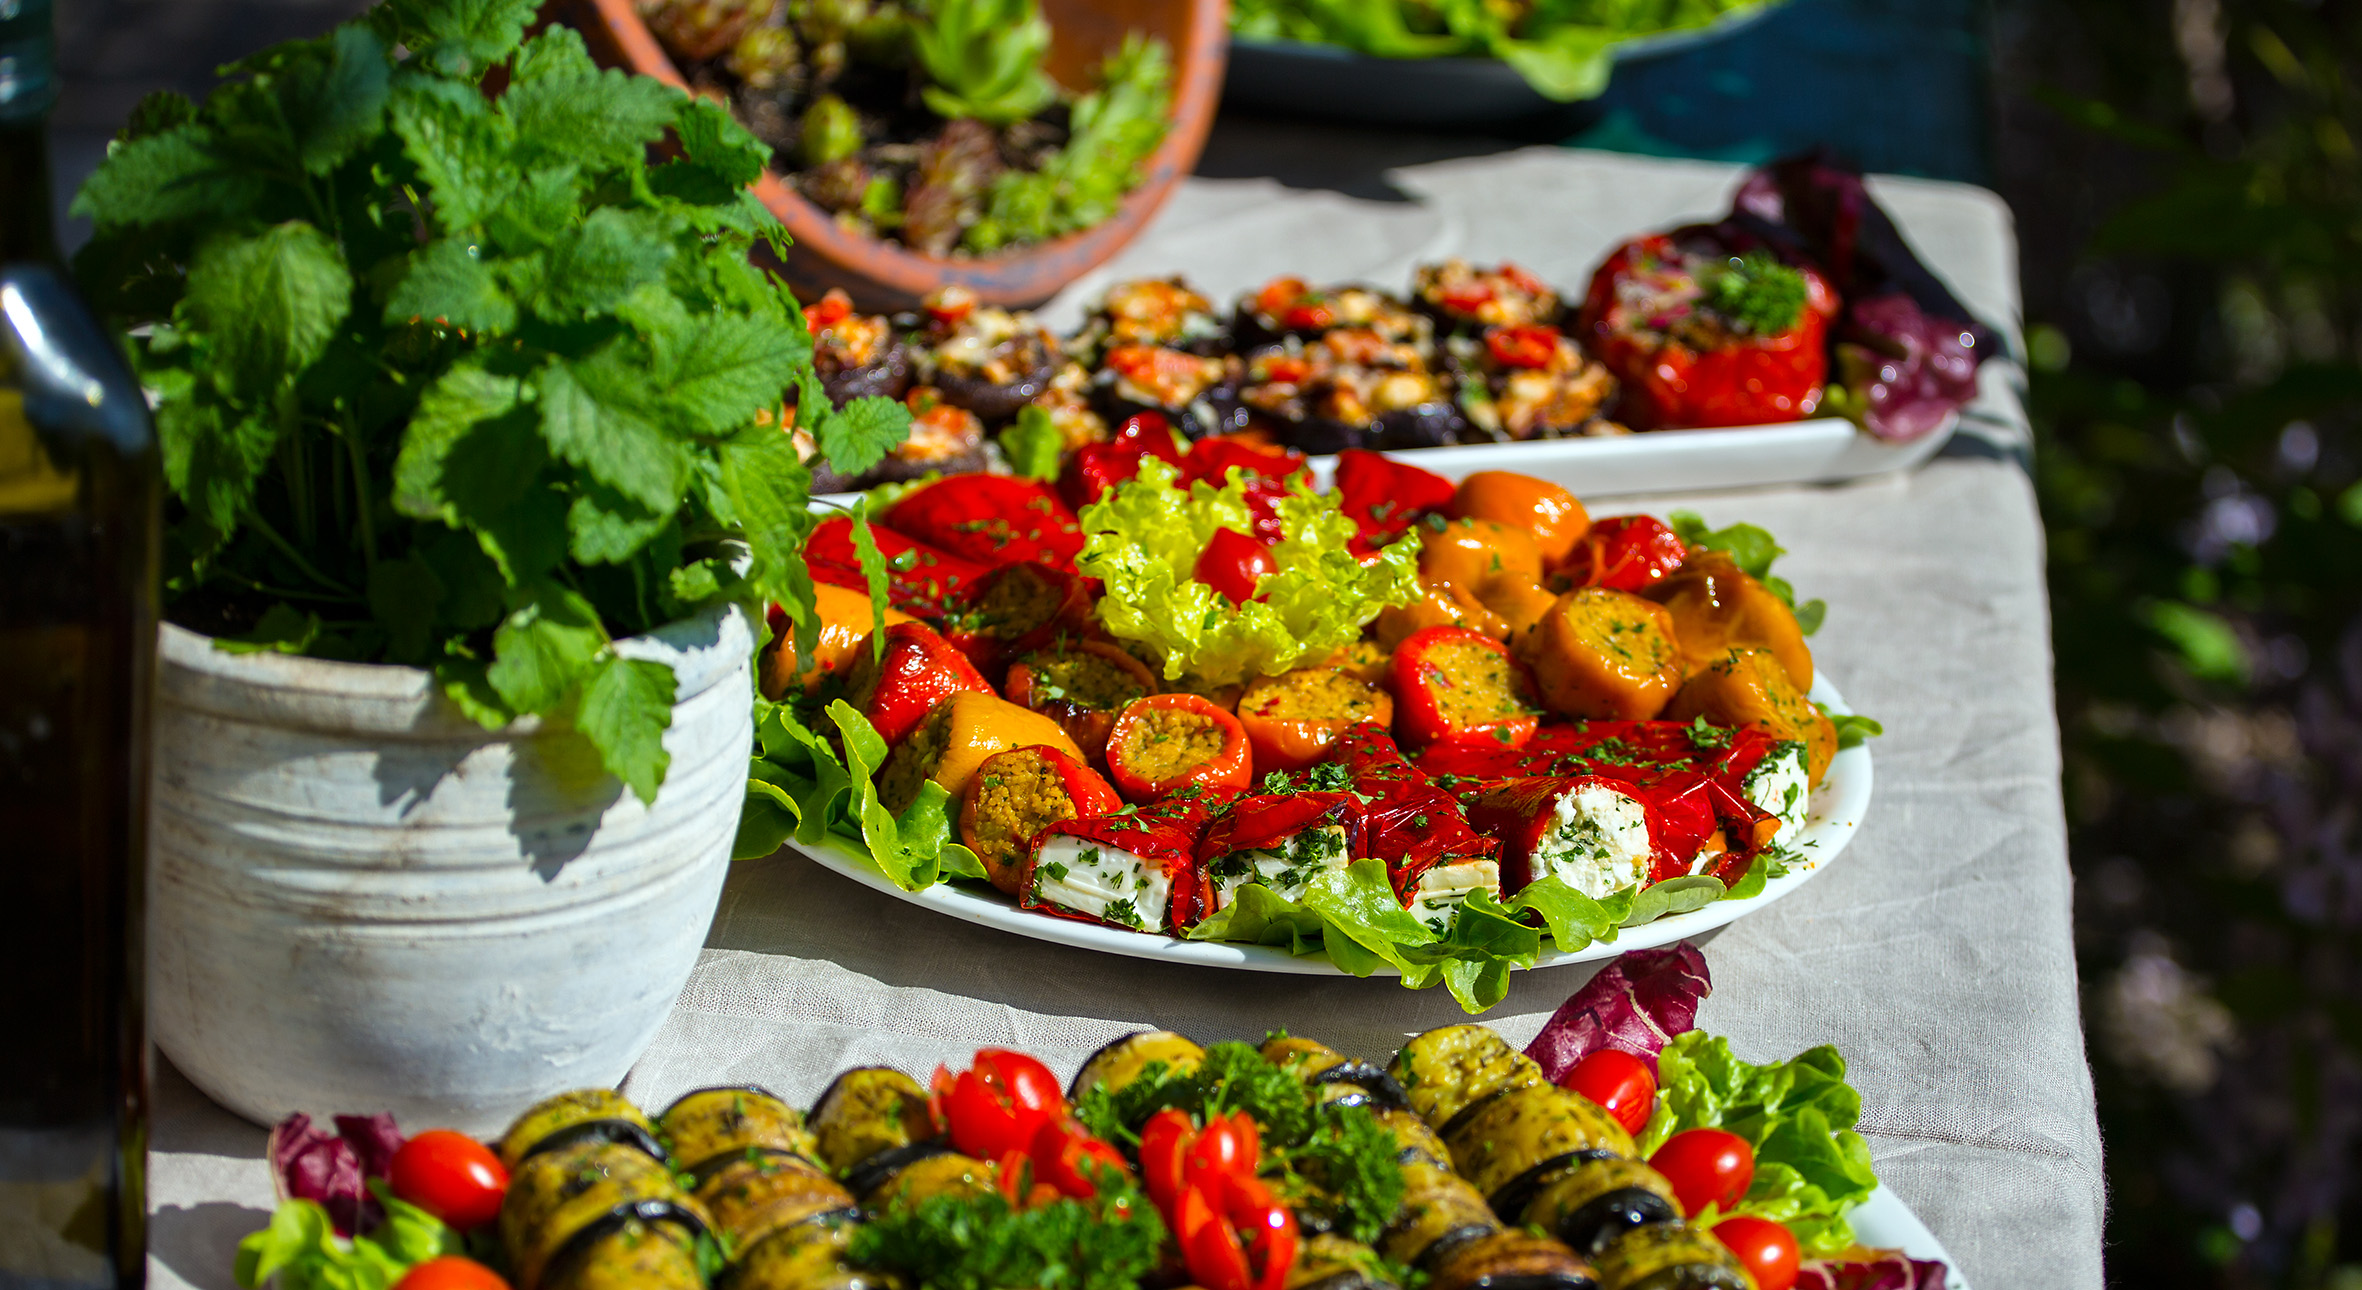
{"x": 1143, "y": 542}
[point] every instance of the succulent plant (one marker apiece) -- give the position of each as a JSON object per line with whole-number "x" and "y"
{"x": 984, "y": 58}
{"x": 832, "y": 131}
{"x": 700, "y": 29}
{"x": 765, "y": 57}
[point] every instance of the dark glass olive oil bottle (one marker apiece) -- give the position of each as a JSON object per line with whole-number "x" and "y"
{"x": 78, "y": 533}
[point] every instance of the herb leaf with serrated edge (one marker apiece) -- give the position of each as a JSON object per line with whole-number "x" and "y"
{"x": 472, "y": 384}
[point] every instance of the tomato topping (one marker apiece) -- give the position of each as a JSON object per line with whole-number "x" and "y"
{"x": 1765, "y": 1248}
{"x": 1233, "y": 563}
{"x": 1466, "y": 298}
{"x": 1706, "y": 1167}
{"x": 1384, "y": 496}
{"x": 1620, "y": 1082}
{"x": 1284, "y": 369}
{"x": 1627, "y": 553}
{"x": 451, "y": 1176}
{"x": 1630, "y": 321}
{"x": 1530, "y": 345}
{"x": 949, "y": 306}
{"x": 451, "y": 1272}
{"x": 1065, "y": 1156}
{"x": 1167, "y": 740}
{"x": 828, "y": 311}
{"x": 1000, "y": 1102}
{"x": 991, "y": 519}
{"x": 1522, "y": 280}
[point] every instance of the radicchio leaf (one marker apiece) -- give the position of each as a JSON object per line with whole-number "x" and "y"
{"x": 1908, "y": 369}
{"x": 1891, "y": 1270}
{"x": 1637, "y": 1004}
{"x": 310, "y": 1163}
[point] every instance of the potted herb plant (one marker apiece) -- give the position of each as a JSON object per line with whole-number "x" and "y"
{"x": 1005, "y": 146}
{"x": 470, "y": 426}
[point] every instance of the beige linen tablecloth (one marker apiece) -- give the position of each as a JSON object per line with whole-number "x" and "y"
{"x": 1934, "y": 952}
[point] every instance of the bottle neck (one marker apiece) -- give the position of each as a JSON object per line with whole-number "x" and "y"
{"x": 26, "y": 231}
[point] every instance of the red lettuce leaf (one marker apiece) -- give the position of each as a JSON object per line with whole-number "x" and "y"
{"x": 1636, "y": 1003}
{"x": 310, "y": 1163}
{"x": 1910, "y": 369}
{"x": 1891, "y": 1270}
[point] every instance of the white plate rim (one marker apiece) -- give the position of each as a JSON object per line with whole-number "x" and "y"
{"x": 1836, "y": 811}
{"x": 1884, "y": 1222}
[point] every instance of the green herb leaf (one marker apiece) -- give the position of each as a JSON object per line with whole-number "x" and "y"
{"x": 1033, "y": 445}
{"x": 446, "y": 282}
{"x": 859, "y": 435}
{"x": 587, "y": 423}
{"x": 268, "y": 303}
{"x": 543, "y": 648}
{"x": 627, "y": 705}
{"x": 1852, "y": 728}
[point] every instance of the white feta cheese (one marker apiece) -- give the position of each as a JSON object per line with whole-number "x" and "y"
{"x": 1286, "y": 869}
{"x": 1778, "y": 784}
{"x": 1103, "y": 882}
{"x": 1597, "y": 843}
{"x": 1443, "y": 889}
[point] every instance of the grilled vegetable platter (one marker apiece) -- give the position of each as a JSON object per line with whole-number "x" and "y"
{"x": 1401, "y": 725}
{"x": 1735, "y": 324}
{"x": 1621, "y": 1150}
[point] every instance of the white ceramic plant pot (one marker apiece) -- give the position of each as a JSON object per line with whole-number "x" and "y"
{"x": 363, "y": 901}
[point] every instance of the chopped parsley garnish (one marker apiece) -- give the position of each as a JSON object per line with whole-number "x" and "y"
{"x": 1353, "y": 1157}
{"x": 1705, "y": 734}
{"x": 1756, "y": 293}
{"x": 981, "y": 1242}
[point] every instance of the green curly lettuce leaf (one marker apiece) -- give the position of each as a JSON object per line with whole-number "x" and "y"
{"x": 1143, "y": 541}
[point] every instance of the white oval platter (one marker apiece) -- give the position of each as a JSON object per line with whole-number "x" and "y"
{"x": 1835, "y": 812}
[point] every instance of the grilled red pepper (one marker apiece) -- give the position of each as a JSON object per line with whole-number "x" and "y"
{"x": 1384, "y": 496}
{"x": 919, "y": 670}
{"x": 1406, "y": 820}
{"x": 1703, "y": 337}
{"x": 1522, "y": 812}
{"x": 919, "y": 579}
{"x": 1161, "y": 836}
{"x": 1627, "y": 553}
{"x": 1457, "y": 683}
{"x": 1093, "y": 470}
{"x": 1165, "y": 741}
{"x": 1014, "y": 610}
{"x": 991, "y": 519}
{"x": 1264, "y": 476}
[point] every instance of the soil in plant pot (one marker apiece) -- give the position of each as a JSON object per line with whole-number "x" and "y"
{"x": 854, "y": 113}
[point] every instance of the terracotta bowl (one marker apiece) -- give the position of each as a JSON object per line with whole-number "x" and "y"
{"x": 887, "y": 276}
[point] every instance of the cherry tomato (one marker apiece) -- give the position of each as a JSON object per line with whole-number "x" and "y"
{"x": 1619, "y": 1082}
{"x": 1229, "y": 1144}
{"x": 1706, "y": 1167}
{"x": 1234, "y": 564}
{"x": 450, "y": 1272}
{"x": 451, "y": 1176}
{"x": 997, "y": 1105}
{"x": 1265, "y": 1226}
{"x": 1765, "y": 1248}
{"x": 1164, "y": 1141}
{"x": 1065, "y": 1157}
{"x": 1467, "y": 298}
{"x": 1216, "y": 1259}
{"x": 1627, "y": 553}
{"x": 1529, "y": 345}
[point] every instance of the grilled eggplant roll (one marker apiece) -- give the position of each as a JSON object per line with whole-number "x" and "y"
{"x": 1152, "y": 311}
{"x": 629, "y": 1254}
{"x": 754, "y": 1198}
{"x": 1117, "y": 1065}
{"x": 1446, "y": 1072}
{"x": 1505, "y": 1147}
{"x": 1530, "y": 382}
{"x": 1457, "y": 294}
{"x": 1513, "y": 1261}
{"x": 992, "y": 361}
{"x": 1669, "y": 1256}
{"x": 1440, "y": 1213}
{"x": 856, "y": 355}
{"x": 905, "y": 1184}
{"x": 1330, "y": 1262}
{"x": 709, "y": 1126}
{"x": 1594, "y": 1203}
{"x": 810, "y": 1257}
{"x": 563, "y": 1199}
{"x": 599, "y": 1114}
{"x": 1413, "y": 1137}
{"x": 1196, "y": 393}
{"x": 869, "y": 1110}
{"x": 1334, "y": 1077}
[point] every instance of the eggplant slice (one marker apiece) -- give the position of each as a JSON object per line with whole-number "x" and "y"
{"x": 993, "y": 362}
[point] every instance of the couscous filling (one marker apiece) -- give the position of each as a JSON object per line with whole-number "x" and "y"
{"x": 1086, "y": 680}
{"x": 1472, "y": 684}
{"x": 1020, "y": 796}
{"x": 1311, "y": 694}
{"x": 1165, "y": 743}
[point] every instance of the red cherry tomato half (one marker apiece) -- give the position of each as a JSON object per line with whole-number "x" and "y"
{"x": 1619, "y": 1082}
{"x": 1234, "y": 564}
{"x": 1706, "y": 1167}
{"x": 450, "y": 1272}
{"x": 997, "y": 1105}
{"x": 1210, "y": 1248}
{"x": 1221, "y": 1148}
{"x": 1066, "y": 1157}
{"x": 1627, "y": 553}
{"x": 451, "y": 1176}
{"x": 1765, "y": 1248}
{"x": 1164, "y": 1142}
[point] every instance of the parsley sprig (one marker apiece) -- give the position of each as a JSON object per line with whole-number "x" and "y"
{"x": 460, "y": 380}
{"x": 1757, "y": 293}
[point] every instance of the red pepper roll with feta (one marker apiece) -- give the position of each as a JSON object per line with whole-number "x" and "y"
{"x": 919, "y": 578}
{"x": 1134, "y": 868}
{"x": 990, "y": 519}
{"x": 1166, "y": 742}
{"x": 1432, "y": 856}
{"x": 1770, "y": 775}
{"x": 1456, "y": 684}
{"x": 1282, "y": 841}
{"x": 1595, "y": 834}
